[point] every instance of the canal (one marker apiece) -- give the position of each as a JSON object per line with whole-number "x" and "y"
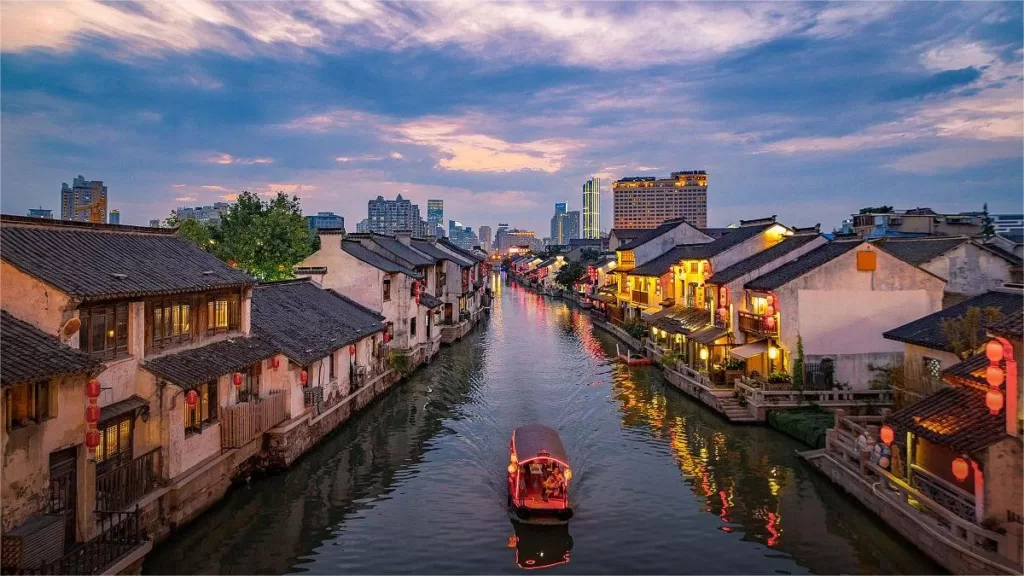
{"x": 416, "y": 482}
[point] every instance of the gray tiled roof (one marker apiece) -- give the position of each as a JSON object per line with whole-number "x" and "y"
{"x": 474, "y": 258}
{"x": 650, "y": 234}
{"x": 971, "y": 370}
{"x": 190, "y": 368}
{"x": 307, "y": 322}
{"x": 410, "y": 255}
{"x": 360, "y": 252}
{"x": 430, "y": 301}
{"x": 1015, "y": 236}
{"x": 429, "y": 249}
{"x": 27, "y": 353}
{"x": 918, "y": 251}
{"x": 661, "y": 264}
{"x": 456, "y": 254}
{"x": 96, "y": 262}
{"x": 802, "y": 265}
{"x": 762, "y": 258}
{"x": 927, "y": 331}
{"x": 1012, "y": 324}
{"x": 956, "y": 417}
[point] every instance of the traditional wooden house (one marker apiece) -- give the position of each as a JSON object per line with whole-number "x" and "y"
{"x": 927, "y": 350}
{"x": 170, "y": 324}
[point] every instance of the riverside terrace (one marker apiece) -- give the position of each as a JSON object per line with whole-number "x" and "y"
{"x": 142, "y": 375}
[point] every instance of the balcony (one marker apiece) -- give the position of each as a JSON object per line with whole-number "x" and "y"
{"x": 640, "y": 297}
{"x": 126, "y": 484}
{"x": 754, "y": 324}
{"x": 242, "y": 423}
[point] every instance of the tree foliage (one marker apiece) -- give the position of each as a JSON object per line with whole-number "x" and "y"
{"x": 265, "y": 238}
{"x": 964, "y": 333}
{"x": 877, "y": 210}
{"x": 798, "y": 364}
{"x": 570, "y": 274}
{"x": 988, "y": 229}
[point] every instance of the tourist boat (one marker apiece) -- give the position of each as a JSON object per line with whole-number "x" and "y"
{"x": 631, "y": 358}
{"x": 538, "y": 476}
{"x": 540, "y": 546}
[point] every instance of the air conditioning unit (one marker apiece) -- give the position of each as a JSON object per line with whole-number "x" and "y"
{"x": 35, "y": 543}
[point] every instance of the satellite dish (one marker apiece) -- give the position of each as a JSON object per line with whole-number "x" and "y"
{"x": 70, "y": 328}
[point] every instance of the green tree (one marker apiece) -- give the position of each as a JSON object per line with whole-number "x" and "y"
{"x": 798, "y": 364}
{"x": 200, "y": 234}
{"x": 877, "y": 210}
{"x": 964, "y": 333}
{"x": 988, "y": 230}
{"x": 265, "y": 238}
{"x": 570, "y": 274}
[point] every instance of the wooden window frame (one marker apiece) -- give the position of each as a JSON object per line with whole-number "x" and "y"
{"x": 40, "y": 403}
{"x": 121, "y": 431}
{"x": 115, "y": 337}
{"x": 386, "y": 287}
{"x": 194, "y": 421}
{"x": 412, "y": 327}
{"x": 161, "y": 334}
{"x": 232, "y": 309}
{"x": 250, "y": 389}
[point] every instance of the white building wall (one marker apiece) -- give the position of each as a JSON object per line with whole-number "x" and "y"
{"x": 684, "y": 233}
{"x": 969, "y": 269}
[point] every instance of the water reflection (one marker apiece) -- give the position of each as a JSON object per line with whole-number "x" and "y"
{"x": 539, "y": 546}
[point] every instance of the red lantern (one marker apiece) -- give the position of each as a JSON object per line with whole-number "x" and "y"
{"x": 994, "y": 351}
{"x": 387, "y": 337}
{"x": 960, "y": 469}
{"x": 92, "y": 388}
{"x": 237, "y": 379}
{"x": 276, "y": 362}
{"x": 92, "y": 414}
{"x": 887, "y": 435}
{"x": 770, "y": 311}
{"x": 994, "y": 375}
{"x": 192, "y": 398}
{"x": 303, "y": 377}
{"x": 92, "y": 440}
{"x": 352, "y": 349}
{"x": 769, "y": 322}
{"x": 771, "y": 299}
{"x": 994, "y": 401}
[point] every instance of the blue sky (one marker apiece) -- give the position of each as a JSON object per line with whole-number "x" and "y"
{"x": 805, "y": 110}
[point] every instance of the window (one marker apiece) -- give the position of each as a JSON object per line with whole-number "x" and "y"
{"x": 250, "y": 389}
{"x": 224, "y": 313}
{"x": 25, "y": 404}
{"x": 387, "y": 289}
{"x": 758, "y": 305}
{"x": 330, "y": 364}
{"x": 104, "y": 331}
{"x": 932, "y": 368}
{"x": 205, "y": 410}
{"x": 412, "y": 327}
{"x": 168, "y": 322}
{"x": 115, "y": 447}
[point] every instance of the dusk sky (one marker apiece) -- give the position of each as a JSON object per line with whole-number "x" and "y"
{"x": 807, "y": 111}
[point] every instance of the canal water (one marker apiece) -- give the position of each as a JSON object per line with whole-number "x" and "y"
{"x": 416, "y": 483}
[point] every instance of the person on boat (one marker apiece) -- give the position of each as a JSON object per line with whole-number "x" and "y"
{"x": 552, "y": 483}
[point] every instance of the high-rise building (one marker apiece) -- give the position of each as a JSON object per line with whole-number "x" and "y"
{"x": 485, "y": 238}
{"x": 570, "y": 226}
{"x": 646, "y": 201}
{"x": 363, "y": 226}
{"x": 592, "y": 209}
{"x": 462, "y": 236}
{"x": 516, "y": 237}
{"x": 499, "y": 235}
{"x": 435, "y": 214}
{"x": 389, "y": 216}
{"x": 204, "y": 214}
{"x": 325, "y": 220}
{"x": 40, "y": 213}
{"x": 84, "y": 201}
{"x": 556, "y": 222}
{"x": 115, "y": 217}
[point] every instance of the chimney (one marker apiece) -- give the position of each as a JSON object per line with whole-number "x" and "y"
{"x": 404, "y": 236}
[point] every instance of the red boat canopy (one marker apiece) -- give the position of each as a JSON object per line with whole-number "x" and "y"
{"x": 531, "y": 441}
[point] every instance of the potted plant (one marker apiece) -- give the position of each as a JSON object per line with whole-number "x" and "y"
{"x": 734, "y": 368}
{"x": 780, "y": 380}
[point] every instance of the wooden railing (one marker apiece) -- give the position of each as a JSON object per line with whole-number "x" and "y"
{"x": 120, "y": 534}
{"x": 759, "y": 392}
{"x": 128, "y": 483}
{"x": 241, "y": 423}
{"x": 754, "y": 324}
{"x": 943, "y": 493}
{"x": 841, "y": 444}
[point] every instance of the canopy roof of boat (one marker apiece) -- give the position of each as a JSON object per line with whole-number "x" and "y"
{"x": 536, "y": 440}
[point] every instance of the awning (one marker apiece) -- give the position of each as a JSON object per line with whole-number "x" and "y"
{"x": 748, "y": 351}
{"x": 708, "y": 335}
{"x": 127, "y": 406}
{"x": 430, "y": 301}
{"x": 600, "y": 297}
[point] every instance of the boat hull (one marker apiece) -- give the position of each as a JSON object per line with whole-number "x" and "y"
{"x": 540, "y": 517}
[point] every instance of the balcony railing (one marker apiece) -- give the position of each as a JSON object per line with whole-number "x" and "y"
{"x": 640, "y": 297}
{"x": 116, "y": 489}
{"x": 754, "y": 324}
{"x": 121, "y": 533}
{"x": 943, "y": 493}
{"x": 241, "y": 423}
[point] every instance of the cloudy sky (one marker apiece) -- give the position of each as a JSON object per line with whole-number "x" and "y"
{"x": 808, "y": 111}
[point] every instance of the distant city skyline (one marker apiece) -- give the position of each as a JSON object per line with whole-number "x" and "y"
{"x": 904, "y": 103}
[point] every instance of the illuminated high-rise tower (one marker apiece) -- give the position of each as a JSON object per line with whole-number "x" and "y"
{"x": 592, "y": 209}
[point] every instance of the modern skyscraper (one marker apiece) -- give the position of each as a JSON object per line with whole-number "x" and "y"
{"x": 40, "y": 213}
{"x": 499, "y": 235}
{"x": 592, "y": 209}
{"x": 462, "y": 236}
{"x": 435, "y": 215}
{"x": 570, "y": 226}
{"x": 84, "y": 201}
{"x": 516, "y": 237}
{"x": 485, "y": 238}
{"x": 646, "y": 201}
{"x": 115, "y": 217}
{"x": 325, "y": 220}
{"x": 387, "y": 216}
{"x": 204, "y": 214}
{"x": 556, "y": 222}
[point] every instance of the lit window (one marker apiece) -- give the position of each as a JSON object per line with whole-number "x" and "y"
{"x": 205, "y": 410}
{"x": 104, "y": 331}
{"x": 223, "y": 313}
